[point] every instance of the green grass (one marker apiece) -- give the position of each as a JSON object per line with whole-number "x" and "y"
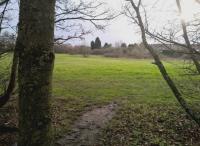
{"x": 97, "y": 78}
{"x": 137, "y": 86}
{"x": 83, "y": 82}
{"x": 4, "y": 70}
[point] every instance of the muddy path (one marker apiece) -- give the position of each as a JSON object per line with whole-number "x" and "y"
{"x": 86, "y": 130}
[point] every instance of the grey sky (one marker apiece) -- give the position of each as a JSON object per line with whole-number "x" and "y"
{"x": 160, "y": 13}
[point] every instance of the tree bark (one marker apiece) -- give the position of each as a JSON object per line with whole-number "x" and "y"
{"x": 161, "y": 67}
{"x": 36, "y": 61}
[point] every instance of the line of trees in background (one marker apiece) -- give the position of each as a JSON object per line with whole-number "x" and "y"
{"x": 98, "y": 45}
{"x": 120, "y": 49}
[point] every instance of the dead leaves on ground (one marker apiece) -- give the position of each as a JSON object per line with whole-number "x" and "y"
{"x": 156, "y": 125}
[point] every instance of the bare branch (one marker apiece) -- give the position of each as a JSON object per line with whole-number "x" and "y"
{"x": 74, "y": 14}
{"x": 3, "y": 13}
{"x": 186, "y": 38}
{"x": 162, "y": 68}
{"x": 2, "y": 2}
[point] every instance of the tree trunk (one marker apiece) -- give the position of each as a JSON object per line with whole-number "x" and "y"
{"x": 36, "y": 60}
{"x": 187, "y": 41}
{"x": 162, "y": 69}
{"x": 6, "y": 96}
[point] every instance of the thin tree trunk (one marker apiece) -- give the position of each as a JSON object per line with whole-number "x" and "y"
{"x": 187, "y": 41}
{"x": 7, "y": 95}
{"x": 162, "y": 69}
{"x": 36, "y": 60}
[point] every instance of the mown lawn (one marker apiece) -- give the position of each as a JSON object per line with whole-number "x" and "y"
{"x": 148, "y": 112}
{"x": 105, "y": 79}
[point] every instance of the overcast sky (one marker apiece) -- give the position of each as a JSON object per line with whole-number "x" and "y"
{"x": 160, "y": 13}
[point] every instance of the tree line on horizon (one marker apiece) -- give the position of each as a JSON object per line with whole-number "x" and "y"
{"x": 97, "y": 44}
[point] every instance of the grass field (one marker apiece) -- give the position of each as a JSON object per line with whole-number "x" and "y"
{"x": 136, "y": 85}
{"x": 148, "y": 112}
{"x": 97, "y": 78}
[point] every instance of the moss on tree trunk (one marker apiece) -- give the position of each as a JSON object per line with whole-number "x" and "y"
{"x": 36, "y": 59}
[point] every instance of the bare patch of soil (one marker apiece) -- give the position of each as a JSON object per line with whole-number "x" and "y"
{"x": 86, "y": 130}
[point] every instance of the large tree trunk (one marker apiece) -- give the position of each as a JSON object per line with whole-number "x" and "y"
{"x": 161, "y": 67}
{"x": 36, "y": 59}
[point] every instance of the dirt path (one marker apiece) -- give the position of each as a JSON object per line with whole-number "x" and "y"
{"x": 86, "y": 130}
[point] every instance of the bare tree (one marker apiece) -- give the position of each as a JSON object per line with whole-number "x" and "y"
{"x": 174, "y": 36}
{"x": 186, "y": 38}
{"x": 2, "y": 14}
{"x": 138, "y": 20}
{"x": 2, "y": 2}
{"x": 74, "y": 17}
